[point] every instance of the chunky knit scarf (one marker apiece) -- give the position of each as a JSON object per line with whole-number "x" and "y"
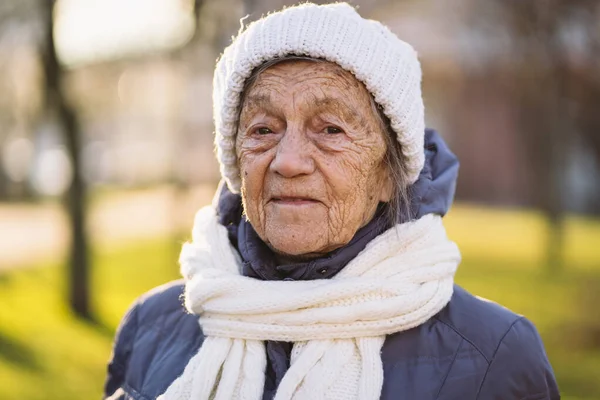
{"x": 338, "y": 326}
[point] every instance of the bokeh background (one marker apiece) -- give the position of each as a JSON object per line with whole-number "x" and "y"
{"x": 106, "y": 152}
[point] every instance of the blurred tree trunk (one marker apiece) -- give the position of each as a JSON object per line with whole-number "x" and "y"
{"x": 542, "y": 79}
{"x": 553, "y": 131}
{"x": 57, "y": 107}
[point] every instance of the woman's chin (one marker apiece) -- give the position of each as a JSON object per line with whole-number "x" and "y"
{"x": 296, "y": 240}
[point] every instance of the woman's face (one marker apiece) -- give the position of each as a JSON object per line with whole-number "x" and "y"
{"x": 311, "y": 155}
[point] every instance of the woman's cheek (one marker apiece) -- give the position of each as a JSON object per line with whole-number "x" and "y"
{"x": 253, "y": 168}
{"x": 352, "y": 190}
{"x": 345, "y": 191}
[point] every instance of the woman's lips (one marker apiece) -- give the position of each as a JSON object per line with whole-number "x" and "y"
{"x": 293, "y": 201}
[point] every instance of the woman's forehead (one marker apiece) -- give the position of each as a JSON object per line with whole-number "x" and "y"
{"x": 305, "y": 68}
{"x": 324, "y": 83}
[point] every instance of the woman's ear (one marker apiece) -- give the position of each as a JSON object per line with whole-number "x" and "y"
{"x": 387, "y": 186}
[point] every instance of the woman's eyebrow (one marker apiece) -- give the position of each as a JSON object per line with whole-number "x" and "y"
{"x": 337, "y": 106}
{"x": 262, "y": 102}
{"x": 259, "y": 101}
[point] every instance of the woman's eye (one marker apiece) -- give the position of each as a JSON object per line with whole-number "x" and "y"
{"x": 332, "y": 130}
{"x": 263, "y": 131}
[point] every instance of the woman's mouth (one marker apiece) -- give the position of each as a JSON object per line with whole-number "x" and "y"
{"x": 293, "y": 201}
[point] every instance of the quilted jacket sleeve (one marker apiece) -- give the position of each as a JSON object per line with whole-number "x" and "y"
{"x": 519, "y": 368}
{"x": 122, "y": 347}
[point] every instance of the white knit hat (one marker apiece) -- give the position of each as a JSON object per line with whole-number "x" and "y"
{"x": 387, "y": 66}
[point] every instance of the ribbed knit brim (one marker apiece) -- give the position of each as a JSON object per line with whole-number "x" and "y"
{"x": 387, "y": 66}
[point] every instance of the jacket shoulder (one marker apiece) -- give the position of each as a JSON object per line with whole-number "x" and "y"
{"x": 481, "y": 322}
{"x": 518, "y": 366}
{"x": 161, "y": 300}
{"x": 153, "y": 343}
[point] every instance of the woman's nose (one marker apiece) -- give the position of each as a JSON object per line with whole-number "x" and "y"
{"x": 293, "y": 156}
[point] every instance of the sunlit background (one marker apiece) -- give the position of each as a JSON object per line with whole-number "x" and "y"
{"x": 106, "y": 152}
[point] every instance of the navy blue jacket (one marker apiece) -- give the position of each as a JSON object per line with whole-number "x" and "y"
{"x": 472, "y": 349}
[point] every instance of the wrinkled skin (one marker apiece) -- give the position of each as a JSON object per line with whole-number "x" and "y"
{"x": 311, "y": 155}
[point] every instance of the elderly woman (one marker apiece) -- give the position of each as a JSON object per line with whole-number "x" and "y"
{"x": 323, "y": 270}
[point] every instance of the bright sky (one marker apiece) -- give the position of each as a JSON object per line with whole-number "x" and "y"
{"x": 98, "y": 30}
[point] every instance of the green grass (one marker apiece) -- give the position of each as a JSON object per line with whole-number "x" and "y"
{"x": 46, "y": 353}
